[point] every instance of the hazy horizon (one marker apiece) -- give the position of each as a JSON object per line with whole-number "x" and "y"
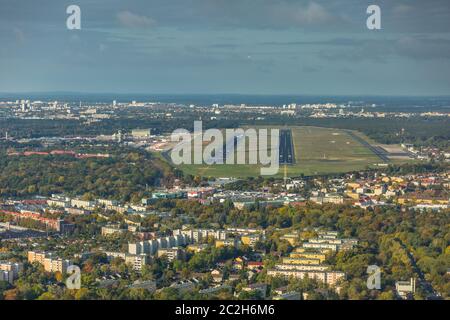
{"x": 274, "y": 47}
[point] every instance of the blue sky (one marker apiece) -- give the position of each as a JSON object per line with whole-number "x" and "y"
{"x": 226, "y": 46}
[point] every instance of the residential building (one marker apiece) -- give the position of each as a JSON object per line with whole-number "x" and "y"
{"x": 258, "y": 287}
{"x": 170, "y": 253}
{"x": 405, "y": 289}
{"x": 78, "y": 203}
{"x": 328, "y": 277}
{"x": 287, "y": 296}
{"x": 251, "y": 239}
{"x": 50, "y": 263}
{"x": 56, "y": 265}
{"x": 302, "y": 267}
{"x": 112, "y": 229}
{"x": 151, "y": 246}
{"x": 137, "y": 261}
{"x": 147, "y": 285}
{"x": 230, "y": 242}
{"x": 9, "y": 271}
{"x": 290, "y": 260}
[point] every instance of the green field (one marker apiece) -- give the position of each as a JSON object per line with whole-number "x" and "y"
{"x": 317, "y": 151}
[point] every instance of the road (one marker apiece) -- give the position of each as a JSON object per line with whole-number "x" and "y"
{"x": 432, "y": 294}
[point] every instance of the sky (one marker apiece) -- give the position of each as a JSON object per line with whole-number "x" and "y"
{"x": 226, "y": 46}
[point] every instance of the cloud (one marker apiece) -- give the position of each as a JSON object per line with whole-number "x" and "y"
{"x": 74, "y": 38}
{"x": 298, "y": 15}
{"x": 346, "y": 70}
{"x": 314, "y": 13}
{"x": 411, "y": 47}
{"x": 402, "y": 9}
{"x": 131, "y": 20}
{"x": 327, "y": 42}
{"x": 311, "y": 69}
{"x": 423, "y": 48}
{"x": 102, "y": 47}
{"x": 19, "y": 35}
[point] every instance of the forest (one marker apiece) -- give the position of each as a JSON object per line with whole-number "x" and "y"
{"x": 125, "y": 176}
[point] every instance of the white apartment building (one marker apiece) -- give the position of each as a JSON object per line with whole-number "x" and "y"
{"x": 197, "y": 235}
{"x": 137, "y": 261}
{"x": 151, "y": 246}
{"x": 405, "y": 289}
{"x": 58, "y": 203}
{"x": 82, "y": 203}
{"x": 9, "y": 270}
{"x": 107, "y": 202}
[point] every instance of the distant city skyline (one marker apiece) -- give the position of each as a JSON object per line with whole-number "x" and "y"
{"x": 273, "y": 47}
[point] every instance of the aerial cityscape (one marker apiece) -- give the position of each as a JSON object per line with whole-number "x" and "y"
{"x": 110, "y": 190}
{"x": 92, "y": 185}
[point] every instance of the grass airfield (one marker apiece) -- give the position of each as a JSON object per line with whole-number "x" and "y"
{"x": 317, "y": 151}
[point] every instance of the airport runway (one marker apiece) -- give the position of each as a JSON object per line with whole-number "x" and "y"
{"x": 286, "y": 147}
{"x": 379, "y": 152}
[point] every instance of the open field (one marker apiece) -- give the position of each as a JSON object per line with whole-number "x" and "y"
{"x": 316, "y": 151}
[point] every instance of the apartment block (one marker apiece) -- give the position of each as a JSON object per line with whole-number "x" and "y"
{"x": 251, "y": 239}
{"x": 289, "y": 260}
{"x": 9, "y": 271}
{"x": 50, "y": 263}
{"x": 151, "y": 246}
{"x": 170, "y": 253}
{"x": 309, "y": 255}
{"x": 112, "y": 229}
{"x": 137, "y": 261}
{"x": 302, "y": 267}
{"x": 328, "y": 277}
{"x": 197, "y": 235}
{"x": 230, "y": 242}
{"x": 56, "y": 265}
{"x": 78, "y": 203}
